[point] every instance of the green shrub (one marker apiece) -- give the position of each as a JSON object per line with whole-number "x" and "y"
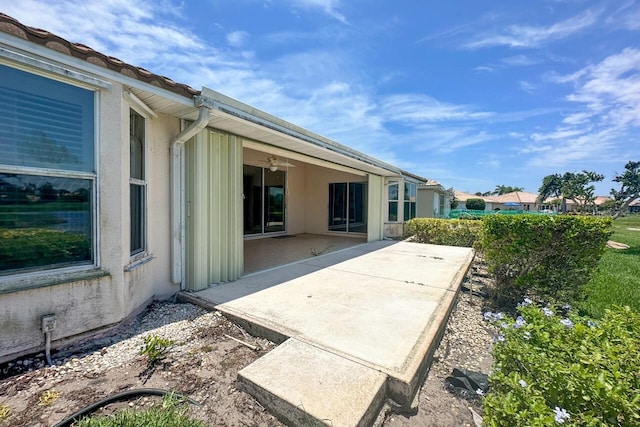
{"x": 35, "y": 247}
{"x": 553, "y": 367}
{"x": 547, "y": 257}
{"x": 445, "y": 231}
{"x": 475, "y": 204}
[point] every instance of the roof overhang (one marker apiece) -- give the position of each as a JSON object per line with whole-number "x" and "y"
{"x": 230, "y": 115}
{"x": 243, "y": 120}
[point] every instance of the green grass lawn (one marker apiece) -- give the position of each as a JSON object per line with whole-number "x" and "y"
{"x": 617, "y": 281}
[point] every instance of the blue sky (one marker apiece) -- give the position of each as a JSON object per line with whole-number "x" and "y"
{"x": 470, "y": 93}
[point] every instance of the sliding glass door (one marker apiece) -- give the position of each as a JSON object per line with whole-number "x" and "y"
{"x": 348, "y": 207}
{"x": 264, "y": 207}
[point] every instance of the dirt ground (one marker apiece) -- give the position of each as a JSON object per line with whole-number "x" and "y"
{"x": 203, "y": 363}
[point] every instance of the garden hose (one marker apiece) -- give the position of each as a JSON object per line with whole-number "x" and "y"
{"x": 67, "y": 422}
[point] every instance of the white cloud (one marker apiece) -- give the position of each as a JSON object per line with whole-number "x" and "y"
{"x": 626, "y": 17}
{"x": 237, "y": 38}
{"x": 558, "y": 134}
{"x": 527, "y": 86}
{"x": 520, "y": 61}
{"x": 607, "y": 95}
{"x": 526, "y": 36}
{"x": 330, "y": 7}
{"x": 413, "y": 108}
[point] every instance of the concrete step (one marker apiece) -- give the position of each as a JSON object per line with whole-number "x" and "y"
{"x": 304, "y": 385}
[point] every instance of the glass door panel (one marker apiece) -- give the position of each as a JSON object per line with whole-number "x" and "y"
{"x": 274, "y": 201}
{"x": 252, "y": 203}
{"x": 264, "y": 200}
{"x": 348, "y": 207}
{"x": 338, "y": 206}
{"x": 357, "y": 207}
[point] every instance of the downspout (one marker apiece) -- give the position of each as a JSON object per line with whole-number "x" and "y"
{"x": 178, "y": 208}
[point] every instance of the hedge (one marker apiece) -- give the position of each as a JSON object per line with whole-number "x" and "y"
{"x": 547, "y": 257}
{"x": 450, "y": 232}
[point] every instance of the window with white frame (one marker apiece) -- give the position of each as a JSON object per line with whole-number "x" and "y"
{"x": 392, "y": 197}
{"x": 410, "y": 190}
{"x": 47, "y": 173}
{"x": 137, "y": 183}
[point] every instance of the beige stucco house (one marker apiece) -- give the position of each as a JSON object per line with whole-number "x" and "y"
{"x": 118, "y": 186}
{"x": 434, "y": 201}
{"x": 517, "y": 200}
{"x": 462, "y": 197}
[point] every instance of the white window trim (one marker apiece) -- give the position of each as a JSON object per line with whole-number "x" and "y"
{"x": 397, "y": 201}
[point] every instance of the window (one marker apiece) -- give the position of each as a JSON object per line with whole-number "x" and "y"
{"x": 47, "y": 173}
{"x": 393, "y": 202}
{"x": 409, "y": 200}
{"x": 137, "y": 183}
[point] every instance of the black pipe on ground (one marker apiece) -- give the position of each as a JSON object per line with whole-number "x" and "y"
{"x": 126, "y": 395}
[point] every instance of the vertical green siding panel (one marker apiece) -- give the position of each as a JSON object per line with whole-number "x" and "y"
{"x": 215, "y": 205}
{"x": 197, "y": 224}
{"x": 214, "y": 247}
{"x": 375, "y": 208}
{"x": 225, "y": 207}
{"x": 236, "y": 240}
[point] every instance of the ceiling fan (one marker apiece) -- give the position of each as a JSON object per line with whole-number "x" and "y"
{"x": 274, "y": 163}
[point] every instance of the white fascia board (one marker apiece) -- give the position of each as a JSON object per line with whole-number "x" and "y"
{"x": 43, "y": 53}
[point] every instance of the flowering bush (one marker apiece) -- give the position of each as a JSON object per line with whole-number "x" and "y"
{"x": 554, "y": 367}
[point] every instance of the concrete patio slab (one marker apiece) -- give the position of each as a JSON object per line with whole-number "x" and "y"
{"x": 305, "y": 385}
{"x": 381, "y": 305}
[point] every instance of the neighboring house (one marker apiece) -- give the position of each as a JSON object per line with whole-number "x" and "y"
{"x": 433, "y": 200}
{"x": 517, "y": 200}
{"x": 634, "y": 206}
{"x": 462, "y": 198}
{"x": 118, "y": 186}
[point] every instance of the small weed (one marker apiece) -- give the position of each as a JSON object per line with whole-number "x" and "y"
{"x": 5, "y": 412}
{"x": 318, "y": 252}
{"x": 155, "y": 347}
{"x": 48, "y": 398}
{"x": 206, "y": 348}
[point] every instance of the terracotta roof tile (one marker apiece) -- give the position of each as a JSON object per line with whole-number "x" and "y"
{"x": 42, "y": 37}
